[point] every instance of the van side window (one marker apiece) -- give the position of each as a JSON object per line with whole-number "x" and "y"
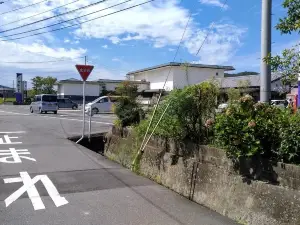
{"x": 103, "y": 100}
{"x": 37, "y": 98}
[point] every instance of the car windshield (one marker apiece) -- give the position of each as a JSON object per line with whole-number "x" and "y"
{"x": 49, "y": 98}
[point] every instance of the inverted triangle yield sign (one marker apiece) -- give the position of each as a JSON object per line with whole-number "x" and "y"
{"x": 84, "y": 71}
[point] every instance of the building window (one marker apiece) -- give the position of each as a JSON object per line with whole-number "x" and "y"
{"x": 217, "y": 73}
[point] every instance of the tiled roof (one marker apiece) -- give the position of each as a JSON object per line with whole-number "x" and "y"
{"x": 254, "y": 80}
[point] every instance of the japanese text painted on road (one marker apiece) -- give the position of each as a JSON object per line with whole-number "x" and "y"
{"x": 12, "y": 155}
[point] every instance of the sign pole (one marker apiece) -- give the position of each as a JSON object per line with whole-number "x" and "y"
{"x": 84, "y": 71}
{"x": 90, "y": 125}
{"x": 83, "y": 112}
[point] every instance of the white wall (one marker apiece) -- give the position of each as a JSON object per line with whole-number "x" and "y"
{"x": 194, "y": 75}
{"x": 76, "y": 89}
{"x": 112, "y": 86}
{"x": 157, "y": 78}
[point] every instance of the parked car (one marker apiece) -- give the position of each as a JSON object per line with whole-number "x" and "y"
{"x": 100, "y": 105}
{"x": 64, "y": 103}
{"x": 44, "y": 103}
{"x": 279, "y": 103}
{"x": 222, "y": 107}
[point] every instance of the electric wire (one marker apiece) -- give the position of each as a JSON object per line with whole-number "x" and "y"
{"x": 77, "y": 24}
{"x": 58, "y": 15}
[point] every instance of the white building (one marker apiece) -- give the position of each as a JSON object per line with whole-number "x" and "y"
{"x": 72, "y": 88}
{"x": 179, "y": 74}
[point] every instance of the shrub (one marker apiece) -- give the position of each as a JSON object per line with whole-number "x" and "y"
{"x": 127, "y": 109}
{"x": 190, "y": 113}
{"x": 233, "y": 94}
{"x": 248, "y": 129}
{"x": 289, "y": 150}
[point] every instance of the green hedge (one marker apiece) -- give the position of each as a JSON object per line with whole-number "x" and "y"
{"x": 249, "y": 129}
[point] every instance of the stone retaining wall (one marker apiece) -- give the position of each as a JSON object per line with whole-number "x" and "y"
{"x": 265, "y": 193}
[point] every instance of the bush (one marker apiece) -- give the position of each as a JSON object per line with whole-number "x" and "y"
{"x": 247, "y": 129}
{"x": 127, "y": 109}
{"x": 190, "y": 113}
{"x": 289, "y": 150}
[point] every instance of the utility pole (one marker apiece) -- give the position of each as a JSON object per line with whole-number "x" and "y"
{"x": 265, "y": 69}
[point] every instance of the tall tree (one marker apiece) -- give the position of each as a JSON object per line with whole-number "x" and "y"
{"x": 291, "y": 22}
{"x": 37, "y": 84}
{"x": 48, "y": 85}
{"x": 43, "y": 85}
{"x": 288, "y": 63}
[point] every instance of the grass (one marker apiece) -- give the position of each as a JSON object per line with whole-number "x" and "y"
{"x": 7, "y": 100}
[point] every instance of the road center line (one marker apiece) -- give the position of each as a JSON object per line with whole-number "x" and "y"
{"x": 12, "y": 132}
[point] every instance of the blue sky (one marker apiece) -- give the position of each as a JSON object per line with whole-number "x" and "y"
{"x": 144, "y": 36}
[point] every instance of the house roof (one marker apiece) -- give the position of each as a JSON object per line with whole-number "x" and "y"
{"x": 74, "y": 81}
{"x": 254, "y": 80}
{"x": 226, "y": 68}
{"x": 119, "y": 81}
{"x": 5, "y": 88}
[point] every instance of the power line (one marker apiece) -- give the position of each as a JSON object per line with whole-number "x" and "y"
{"x": 65, "y": 13}
{"x": 141, "y": 150}
{"x": 211, "y": 27}
{"x": 62, "y": 28}
{"x": 51, "y": 61}
{"x": 160, "y": 94}
{"x": 24, "y": 32}
{"x": 17, "y": 9}
{"x": 38, "y": 13}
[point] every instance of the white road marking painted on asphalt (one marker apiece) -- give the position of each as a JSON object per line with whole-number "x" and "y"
{"x": 52, "y": 117}
{"x": 23, "y": 114}
{"x": 68, "y": 110}
{"x": 12, "y": 132}
{"x": 15, "y": 155}
{"x": 29, "y": 187}
{"x": 78, "y": 120}
{"x": 7, "y": 140}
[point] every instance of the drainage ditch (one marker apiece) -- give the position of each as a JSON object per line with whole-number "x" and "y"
{"x": 96, "y": 143}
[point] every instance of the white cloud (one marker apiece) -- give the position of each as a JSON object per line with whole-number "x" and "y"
{"x": 165, "y": 30}
{"x": 220, "y": 46}
{"x": 217, "y": 3}
{"x": 160, "y": 23}
{"x": 115, "y": 59}
{"x": 105, "y": 46}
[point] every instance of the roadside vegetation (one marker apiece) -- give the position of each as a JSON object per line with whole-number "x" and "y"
{"x": 244, "y": 129}
{"x": 7, "y": 100}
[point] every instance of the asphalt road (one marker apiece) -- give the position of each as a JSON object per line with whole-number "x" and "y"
{"x": 47, "y": 179}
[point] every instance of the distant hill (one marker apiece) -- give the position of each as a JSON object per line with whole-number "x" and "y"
{"x": 245, "y": 73}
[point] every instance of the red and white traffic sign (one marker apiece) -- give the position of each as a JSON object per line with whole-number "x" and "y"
{"x": 84, "y": 71}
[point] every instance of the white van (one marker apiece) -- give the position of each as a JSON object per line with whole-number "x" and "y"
{"x": 100, "y": 105}
{"x": 44, "y": 103}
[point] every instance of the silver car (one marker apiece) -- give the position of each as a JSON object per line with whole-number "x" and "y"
{"x": 44, "y": 103}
